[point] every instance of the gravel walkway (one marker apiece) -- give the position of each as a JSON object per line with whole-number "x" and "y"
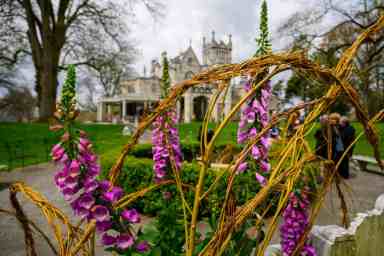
{"x": 39, "y": 177}
{"x": 365, "y": 188}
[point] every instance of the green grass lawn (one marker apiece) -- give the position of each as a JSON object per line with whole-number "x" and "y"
{"x": 188, "y": 132}
{"x": 108, "y": 140}
{"x": 36, "y": 140}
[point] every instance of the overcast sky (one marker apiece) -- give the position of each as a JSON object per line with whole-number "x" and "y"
{"x": 187, "y": 20}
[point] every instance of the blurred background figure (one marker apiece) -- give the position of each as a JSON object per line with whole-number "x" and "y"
{"x": 321, "y": 138}
{"x": 348, "y": 136}
{"x": 337, "y": 146}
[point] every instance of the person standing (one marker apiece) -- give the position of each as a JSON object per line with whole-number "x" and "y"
{"x": 337, "y": 146}
{"x": 321, "y": 138}
{"x": 348, "y": 134}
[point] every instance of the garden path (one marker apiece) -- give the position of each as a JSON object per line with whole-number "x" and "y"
{"x": 39, "y": 177}
{"x": 365, "y": 188}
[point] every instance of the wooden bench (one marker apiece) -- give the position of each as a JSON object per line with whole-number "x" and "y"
{"x": 367, "y": 164}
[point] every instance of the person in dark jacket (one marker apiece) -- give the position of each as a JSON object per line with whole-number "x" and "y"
{"x": 348, "y": 136}
{"x": 321, "y": 138}
{"x": 337, "y": 146}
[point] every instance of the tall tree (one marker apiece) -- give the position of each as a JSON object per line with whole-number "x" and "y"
{"x": 329, "y": 42}
{"x": 63, "y": 31}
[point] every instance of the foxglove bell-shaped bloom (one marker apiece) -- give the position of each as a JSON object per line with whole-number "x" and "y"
{"x": 254, "y": 118}
{"x": 131, "y": 215}
{"x": 105, "y": 185}
{"x": 242, "y": 167}
{"x": 261, "y": 179}
{"x": 108, "y": 240}
{"x": 296, "y": 220}
{"x": 143, "y": 246}
{"x": 100, "y": 213}
{"x": 113, "y": 195}
{"x": 90, "y": 199}
{"x": 125, "y": 241}
{"x": 164, "y": 131}
{"x": 102, "y": 226}
{"x": 86, "y": 201}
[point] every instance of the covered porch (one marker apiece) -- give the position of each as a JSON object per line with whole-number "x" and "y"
{"x": 123, "y": 109}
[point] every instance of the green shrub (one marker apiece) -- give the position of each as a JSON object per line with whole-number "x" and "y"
{"x": 137, "y": 174}
{"x": 190, "y": 150}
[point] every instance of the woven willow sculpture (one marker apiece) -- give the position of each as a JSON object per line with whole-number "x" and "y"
{"x": 291, "y": 157}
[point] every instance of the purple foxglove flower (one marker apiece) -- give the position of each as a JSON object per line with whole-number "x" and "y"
{"x": 247, "y": 85}
{"x": 73, "y": 174}
{"x": 60, "y": 179}
{"x": 266, "y": 94}
{"x": 264, "y": 119}
{"x": 265, "y": 141}
{"x": 113, "y": 195}
{"x": 242, "y": 137}
{"x": 64, "y": 159}
{"x": 295, "y": 222}
{"x": 82, "y": 212}
{"x": 86, "y": 201}
{"x": 90, "y": 186}
{"x": 160, "y": 173}
{"x": 102, "y": 226}
{"x": 74, "y": 166}
{"x": 143, "y": 246}
{"x": 92, "y": 158}
{"x": 242, "y": 167}
{"x": 85, "y": 142}
{"x": 100, "y": 213}
{"x": 71, "y": 182}
{"x": 242, "y": 124}
{"x": 108, "y": 240}
{"x": 173, "y": 131}
{"x": 81, "y": 148}
{"x": 131, "y": 215}
{"x": 94, "y": 170}
{"x": 261, "y": 179}
{"x": 58, "y": 154}
{"x": 265, "y": 166}
{"x": 105, "y": 185}
{"x": 252, "y": 132}
{"x": 55, "y": 148}
{"x": 68, "y": 193}
{"x": 251, "y": 117}
{"x": 256, "y": 104}
{"x": 125, "y": 241}
{"x": 256, "y": 152}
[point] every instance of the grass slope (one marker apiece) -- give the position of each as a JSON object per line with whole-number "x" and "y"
{"x": 108, "y": 140}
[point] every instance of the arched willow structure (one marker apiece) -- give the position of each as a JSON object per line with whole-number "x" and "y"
{"x": 291, "y": 157}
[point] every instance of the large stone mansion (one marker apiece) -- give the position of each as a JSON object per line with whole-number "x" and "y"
{"x": 142, "y": 93}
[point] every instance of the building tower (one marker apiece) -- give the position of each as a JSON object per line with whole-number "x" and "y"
{"x": 217, "y": 52}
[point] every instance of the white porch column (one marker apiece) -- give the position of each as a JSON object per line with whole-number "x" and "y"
{"x": 228, "y": 101}
{"x": 188, "y": 108}
{"x": 100, "y": 111}
{"x": 109, "y": 109}
{"x": 124, "y": 110}
{"x": 178, "y": 108}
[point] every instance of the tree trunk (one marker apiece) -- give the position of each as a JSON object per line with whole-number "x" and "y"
{"x": 48, "y": 85}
